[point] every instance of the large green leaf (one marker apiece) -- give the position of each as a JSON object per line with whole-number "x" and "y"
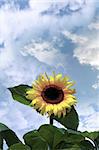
{"x": 19, "y": 146}
{"x": 8, "y": 135}
{"x": 63, "y": 145}
{"x": 70, "y": 121}
{"x": 35, "y": 141}
{"x": 73, "y": 147}
{"x": 51, "y": 134}
{"x": 55, "y": 137}
{"x": 91, "y": 135}
{"x": 70, "y": 140}
{"x": 86, "y": 145}
{"x": 73, "y": 137}
{"x": 83, "y": 145}
{"x": 19, "y": 93}
{"x": 94, "y": 136}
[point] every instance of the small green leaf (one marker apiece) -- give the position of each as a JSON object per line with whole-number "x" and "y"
{"x": 8, "y": 135}
{"x": 19, "y": 93}
{"x": 51, "y": 134}
{"x": 35, "y": 141}
{"x": 19, "y": 146}
{"x": 70, "y": 121}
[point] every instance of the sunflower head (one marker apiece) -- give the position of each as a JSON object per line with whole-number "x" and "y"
{"x": 52, "y": 94}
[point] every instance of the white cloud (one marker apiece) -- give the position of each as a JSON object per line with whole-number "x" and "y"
{"x": 96, "y": 84}
{"x": 89, "y": 119}
{"x": 21, "y": 116}
{"x": 45, "y": 52}
{"x": 87, "y": 49}
{"x": 89, "y": 123}
{"x": 94, "y": 25}
{"x": 39, "y": 5}
{"x": 88, "y": 54}
{"x": 75, "y": 38}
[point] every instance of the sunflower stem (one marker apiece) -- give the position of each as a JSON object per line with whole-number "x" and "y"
{"x": 51, "y": 120}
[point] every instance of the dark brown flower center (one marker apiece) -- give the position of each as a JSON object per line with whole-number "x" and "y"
{"x": 52, "y": 94}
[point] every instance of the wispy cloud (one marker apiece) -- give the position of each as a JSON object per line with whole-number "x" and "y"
{"x": 45, "y": 52}
{"x": 87, "y": 52}
{"x": 88, "y": 121}
{"x": 94, "y": 25}
{"x": 77, "y": 39}
{"x": 96, "y": 84}
{"x": 87, "y": 48}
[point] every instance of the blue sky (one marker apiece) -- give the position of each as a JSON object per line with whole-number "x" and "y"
{"x": 38, "y": 36}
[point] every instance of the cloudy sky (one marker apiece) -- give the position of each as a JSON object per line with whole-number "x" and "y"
{"x": 41, "y": 35}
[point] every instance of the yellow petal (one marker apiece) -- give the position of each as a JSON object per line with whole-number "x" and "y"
{"x": 59, "y": 114}
{"x": 48, "y": 108}
{"x": 64, "y": 112}
{"x": 58, "y": 76}
{"x": 55, "y": 110}
{"x": 69, "y": 84}
{"x": 69, "y": 91}
{"x": 50, "y": 113}
{"x": 34, "y": 102}
{"x": 31, "y": 91}
{"x": 51, "y": 79}
{"x": 42, "y": 109}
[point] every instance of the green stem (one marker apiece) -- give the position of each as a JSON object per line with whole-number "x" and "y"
{"x": 51, "y": 120}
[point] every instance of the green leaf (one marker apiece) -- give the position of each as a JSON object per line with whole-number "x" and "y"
{"x": 70, "y": 121}
{"x": 63, "y": 145}
{"x": 74, "y": 147}
{"x": 19, "y": 93}
{"x": 19, "y": 146}
{"x": 1, "y": 142}
{"x": 86, "y": 145}
{"x": 35, "y": 141}
{"x": 94, "y": 136}
{"x": 83, "y": 145}
{"x": 91, "y": 135}
{"x": 96, "y": 141}
{"x": 8, "y": 135}
{"x": 3, "y": 127}
{"x": 73, "y": 137}
{"x": 70, "y": 139}
{"x": 51, "y": 134}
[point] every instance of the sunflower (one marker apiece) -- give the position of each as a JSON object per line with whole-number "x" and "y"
{"x": 52, "y": 94}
